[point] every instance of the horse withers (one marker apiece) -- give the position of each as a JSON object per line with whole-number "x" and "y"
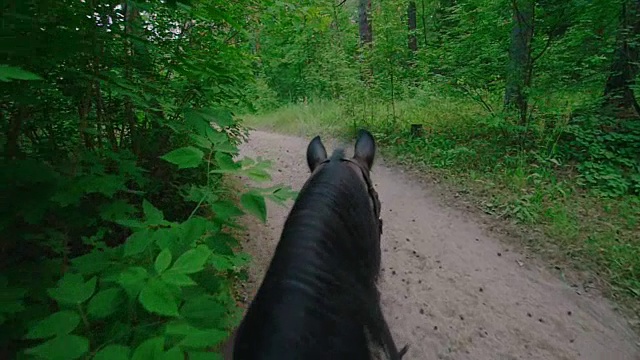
{"x": 319, "y": 298}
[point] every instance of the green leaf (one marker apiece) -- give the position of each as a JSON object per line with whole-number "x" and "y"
{"x": 227, "y": 148}
{"x": 217, "y": 137}
{"x": 177, "y": 279}
{"x": 177, "y": 327}
{"x": 255, "y": 205}
{"x": 174, "y": 353}
{"x": 7, "y": 73}
{"x": 204, "y": 355}
{"x": 185, "y": 157}
{"x": 203, "y": 307}
{"x": 203, "y": 338}
{"x": 196, "y": 337}
{"x": 257, "y": 174}
{"x": 282, "y": 194}
{"x": 72, "y": 289}
{"x": 113, "y": 352}
{"x": 193, "y": 229}
{"x": 197, "y": 193}
{"x": 239, "y": 259}
{"x": 132, "y": 280}
{"x": 137, "y": 242}
{"x": 151, "y": 213}
{"x": 225, "y": 162}
{"x": 133, "y": 275}
{"x": 105, "y": 303}
{"x": 157, "y": 298}
{"x": 226, "y": 209}
{"x": 221, "y": 263}
{"x": 65, "y": 347}
{"x": 247, "y": 162}
{"x": 130, "y": 223}
{"x": 163, "y": 261}
{"x": 167, "y": 237}
{"x": 60, "y": 323}
{"x": 196, "y": 123}
{"x": 219, "y": 116}
{"x": 192, "y": 261}
{"x": 150, "y": 349}
{"x": 201, "y": 141}
{"x": 91, "y": 263}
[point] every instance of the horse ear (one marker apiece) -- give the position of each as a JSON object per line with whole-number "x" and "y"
{"x": 316, "y": 153}
{"x": 365, "y": 148}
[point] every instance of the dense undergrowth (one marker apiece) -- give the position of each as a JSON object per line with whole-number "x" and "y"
{"x": 117, "y": 224}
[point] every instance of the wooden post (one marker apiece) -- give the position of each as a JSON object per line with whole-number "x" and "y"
{"x": 417, "y": 130}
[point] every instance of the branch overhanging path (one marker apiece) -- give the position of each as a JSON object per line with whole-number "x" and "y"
{"x": 449, "y": 288}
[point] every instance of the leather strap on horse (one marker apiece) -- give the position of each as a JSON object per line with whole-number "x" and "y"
{"x": 372, "y": 192}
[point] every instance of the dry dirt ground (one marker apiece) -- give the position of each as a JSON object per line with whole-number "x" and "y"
{"x": 450, "y": 288}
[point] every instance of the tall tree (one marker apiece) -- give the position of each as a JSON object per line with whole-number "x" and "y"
{"x": 364, "y": 22}
{"x": 519, "y": 72}
{"x": 618, "y": 89}
{"x": 424, "y": 23}
{"x": 411, "y": 20}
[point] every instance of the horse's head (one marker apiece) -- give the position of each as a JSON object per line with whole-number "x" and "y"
{"x": 364, "y": 153}
{"x": 361, "y": 163}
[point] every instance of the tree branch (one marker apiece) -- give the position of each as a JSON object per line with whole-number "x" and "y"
{"x": 544, "y": 49}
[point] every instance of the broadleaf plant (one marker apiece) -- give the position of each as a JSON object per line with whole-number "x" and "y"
{"x": 117, "y": 139}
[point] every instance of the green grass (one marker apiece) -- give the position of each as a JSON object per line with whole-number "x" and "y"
{"x": 524, "y": 184}
{"x": 316, "y": 118}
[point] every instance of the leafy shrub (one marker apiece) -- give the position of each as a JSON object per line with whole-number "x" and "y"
{"x": 263, "y": 98}
{"x": 117, "y": 230}
{"x": 165, "y": 291}
{"x": 607, "y": 151}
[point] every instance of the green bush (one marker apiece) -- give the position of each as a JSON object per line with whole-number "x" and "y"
{"x": 118, "y": 224}
{"x": 607, "y": 151}
{"x": 77, "y": 290}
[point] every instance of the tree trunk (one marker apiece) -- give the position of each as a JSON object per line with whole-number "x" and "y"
{"x": 424, "y": 25}
{"x": 417, "y": 130}
{"x": 366, "y": 37}
{"x": 84, "y": 107}
{"x": 366, "y": 33}
{"x": 258, "y": 36}
{"x": 618, "y": 90}
{"x": 130, "y": 15}
{"x": 411, "y": 20}
{"x": 520, "y": 72}
{"x": 12, "y": 147}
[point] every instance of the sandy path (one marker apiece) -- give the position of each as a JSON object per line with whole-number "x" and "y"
{"x": 450, "y": 289}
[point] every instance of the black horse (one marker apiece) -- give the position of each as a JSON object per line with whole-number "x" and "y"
{"x": 319, "y": 299}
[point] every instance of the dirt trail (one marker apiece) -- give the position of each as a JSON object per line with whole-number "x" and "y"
{"x": 450, "y": 289}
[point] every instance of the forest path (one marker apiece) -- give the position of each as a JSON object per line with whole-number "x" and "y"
{"x": 449, "y": 288}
